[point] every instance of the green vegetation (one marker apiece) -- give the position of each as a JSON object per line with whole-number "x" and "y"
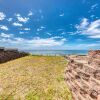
{"x": 34, "y": 78}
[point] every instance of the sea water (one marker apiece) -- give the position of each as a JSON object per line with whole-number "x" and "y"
{"x": 58, "y": 52}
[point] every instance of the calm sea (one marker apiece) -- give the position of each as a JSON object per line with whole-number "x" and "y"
{"x": 58, "y": 52}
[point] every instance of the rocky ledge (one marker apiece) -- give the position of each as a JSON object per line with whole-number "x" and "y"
{"x": 10, "y": 54}
{"x": 83, "y": 76}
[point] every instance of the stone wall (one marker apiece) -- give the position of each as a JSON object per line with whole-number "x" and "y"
{"x": 10, "y": 54}
{"x": 83, "y": 76}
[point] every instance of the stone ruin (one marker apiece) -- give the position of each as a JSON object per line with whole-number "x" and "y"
{"x": 10, "y": 54}
{"x": 83, "y": 76}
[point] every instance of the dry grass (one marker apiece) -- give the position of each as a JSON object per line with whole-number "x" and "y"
{"x": 34, "y": 78}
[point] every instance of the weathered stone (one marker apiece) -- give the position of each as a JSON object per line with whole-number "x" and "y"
{"x": 94, "y": 54}
{"x": 77, "y": 77}
{"x": 97, "y": 74}
{"x": 88, "y": 70}
{"x": 83, "y": 76}
{"x": 82, "y": 91}
{"x": 71, "y": 61}
{"x": 10, "y": 54}
{"x": 80, "y": 65}
{"x": 68, "y": 71}
{"x": 94, "y": 62}
{"x": 94, "y": 94}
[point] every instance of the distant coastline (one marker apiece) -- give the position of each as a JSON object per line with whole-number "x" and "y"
{"x": 57, "y": 52}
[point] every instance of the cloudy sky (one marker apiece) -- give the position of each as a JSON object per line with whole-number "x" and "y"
{"x": 50, "y": 24}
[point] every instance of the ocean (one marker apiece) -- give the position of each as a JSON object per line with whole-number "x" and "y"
{"x": 58, "y": 52}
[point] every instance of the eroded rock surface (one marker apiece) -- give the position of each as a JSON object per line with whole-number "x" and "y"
{"x": 10, "y": 54}
{"x": 83, "y": 76}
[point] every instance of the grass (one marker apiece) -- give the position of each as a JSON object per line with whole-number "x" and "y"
{"x": 34, "y": 78}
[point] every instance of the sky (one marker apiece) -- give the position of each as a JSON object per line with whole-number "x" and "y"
{"x": 50, "y": 24}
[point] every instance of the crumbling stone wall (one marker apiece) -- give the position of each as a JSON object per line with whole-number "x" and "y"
{"x": 83, "y": 76}
{"x": 10, "y": 54}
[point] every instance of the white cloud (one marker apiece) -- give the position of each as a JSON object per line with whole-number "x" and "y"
{"x": 63, "y": 33}
{"x": 94, "y": 6}
{"x": 4, "y": 27}
{"x": 87, "y": 45}
{"x": 18, "y": 15}
{"x": 31, "y": 43}
{"x": 4, "y": 35}
{"x": 95, "y": 36}
{"x": 22, "y": 19}
{"x": 73, "y": 33}
{"x": 26, "y": 29}
{"x": 92, "y": 16}
{"x": 9, "y": 19}
{"x": 57, "y": 37}
{"x": 45, "y": 42}
{"x": 30, "y": 13}
{"x": 61, "y": 15}
{"x": 63, "y": 39}
{"x": 48, "y": 33}
{"x": 42, "y": 27}
{"x": 91, "y": 29}
{"x": 84, "y": 23}
{"x": 39, "y": 29}
{"x": 82, "y": 46}
{"x": 21, "y": 32}
{"x": 2, "y": 16}
{"x": 17, "y": 24}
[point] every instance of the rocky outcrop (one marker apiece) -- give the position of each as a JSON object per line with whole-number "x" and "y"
{"x": 83, "y": 76}
{"x": 10, "y": 54}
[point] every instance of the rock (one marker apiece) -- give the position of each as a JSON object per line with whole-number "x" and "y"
{"x": 94, "y": 54}
{"x": 94, "y": 94}
{"x": 83, "y": 76}
{"x": 97, "y": 74}
{"x": 10, "y": 54}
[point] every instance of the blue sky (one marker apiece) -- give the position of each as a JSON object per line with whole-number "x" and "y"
{"x": 50, "y": 24}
